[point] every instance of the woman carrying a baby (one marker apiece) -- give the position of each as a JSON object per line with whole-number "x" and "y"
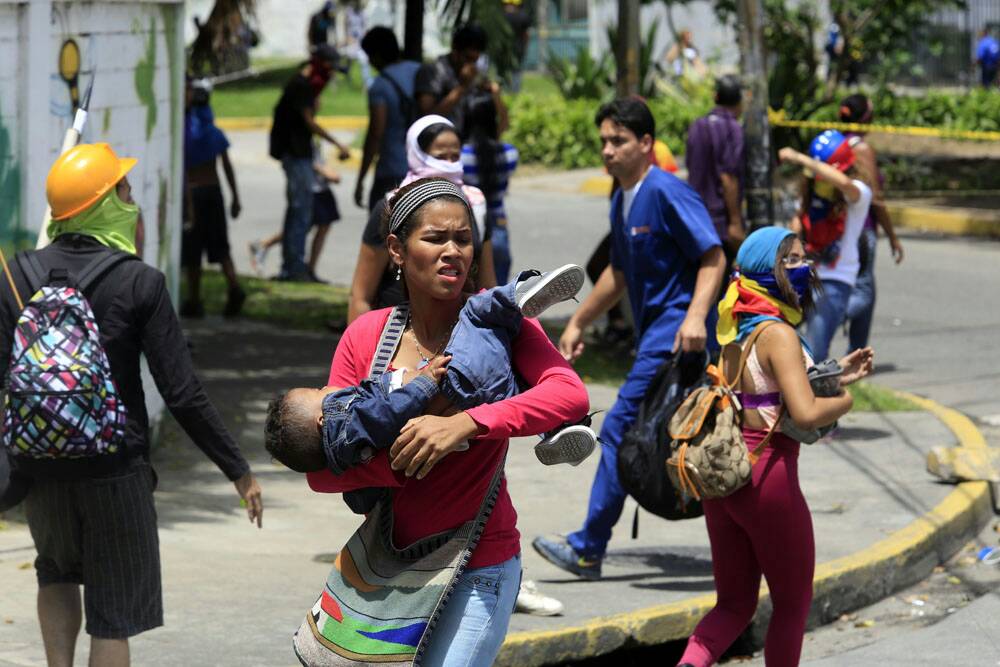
{"x": 440, "y": 465}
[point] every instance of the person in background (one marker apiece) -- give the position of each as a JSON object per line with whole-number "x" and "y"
{"x": 715, "y": 162}
{"x": 861, "y": 306}
{"x": 988, "y": 58}
{"x": 683, "y": 59}
{"x": 354, "y": 30}
{"x": 443, "y": 85}
{"x": 487, "y": 164}
{"x": 391, "y": 110}
{"x": 205, "y": 231}
{"x": 520, "y": 23}
{"x": 666, "y": 253}
{"x": 835, "y": 201}
{"x": 319, "y": 25}
{"x": 291, "y": 142}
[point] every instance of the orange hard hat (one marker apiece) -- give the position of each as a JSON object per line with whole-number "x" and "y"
{"x": 82, "y": 176}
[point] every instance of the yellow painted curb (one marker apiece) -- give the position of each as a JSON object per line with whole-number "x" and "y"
{"x": 236, "y": 123}
{"x": 878, "y": 569}
{"x": 956, "y": 221}
{"x": 596, "y": 185}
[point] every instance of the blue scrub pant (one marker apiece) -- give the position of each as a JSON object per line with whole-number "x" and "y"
{"x": 607, "y": 498}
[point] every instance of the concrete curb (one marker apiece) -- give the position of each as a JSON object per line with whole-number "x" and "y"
{"x": 951, "y": 221}
{"x": 903, "y": 558}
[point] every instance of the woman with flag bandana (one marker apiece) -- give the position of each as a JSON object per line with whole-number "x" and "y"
{"x": 836, "y": 198}
{"x": 765, "y": 527}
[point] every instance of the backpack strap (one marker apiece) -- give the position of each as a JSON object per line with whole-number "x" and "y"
{"x": 100, "y": 266}
{"x": 32, "y": 269}
{"x": 747, "y": 347}
{"x": 388, "y": 342}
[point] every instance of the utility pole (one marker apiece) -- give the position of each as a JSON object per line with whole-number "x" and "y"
{"x": 757, "y": 130}
{"x": 413, "y": 34}
{"x": 542, "y": 20}
{"x": 627, "y": 48}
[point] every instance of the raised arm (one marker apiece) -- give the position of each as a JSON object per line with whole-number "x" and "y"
{"x": 832, "y": 175}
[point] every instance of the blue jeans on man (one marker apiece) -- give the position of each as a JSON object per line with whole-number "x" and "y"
{"x": 861, "y": 305}
{"x": 299, "y": 179}
{"x": 829, "y": 313}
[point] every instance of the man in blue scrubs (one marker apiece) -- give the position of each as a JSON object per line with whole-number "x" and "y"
{"x": 666, "y": 252}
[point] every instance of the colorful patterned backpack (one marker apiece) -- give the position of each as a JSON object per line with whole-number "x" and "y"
{"x": 61, "y": 400}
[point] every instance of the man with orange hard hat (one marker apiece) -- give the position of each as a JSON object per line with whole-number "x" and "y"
{"x": 90, "y": 508}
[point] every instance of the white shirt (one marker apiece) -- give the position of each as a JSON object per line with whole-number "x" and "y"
{"x": 845, "y": 269}
{"x": 628, "y": 196}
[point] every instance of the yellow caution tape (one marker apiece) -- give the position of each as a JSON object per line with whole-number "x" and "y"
{"x": 778, "y": 119}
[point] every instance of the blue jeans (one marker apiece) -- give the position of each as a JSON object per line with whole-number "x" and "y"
{"x": 474, "y": 622}
{"x": 861, "y": 305}
{"x": 299, "y": 179}
{"x": 501, "y": 251}
{"x": 607, "y": 498}
{"x": 829, "y": 313}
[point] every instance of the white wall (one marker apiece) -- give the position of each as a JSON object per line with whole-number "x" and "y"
{"x": 717, "y": 43}
{"x": 135, "y": 50}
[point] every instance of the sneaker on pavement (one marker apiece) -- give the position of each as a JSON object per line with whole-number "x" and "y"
{"x": 559, "y": 552}
{"x": 530, "y": 601}
{"x": 258, "y": 253}
{"x": 567, "y": 444}
{"x": 537, "y": 293}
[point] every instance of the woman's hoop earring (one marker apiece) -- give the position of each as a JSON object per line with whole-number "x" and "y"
{"x": 399, "y": 271}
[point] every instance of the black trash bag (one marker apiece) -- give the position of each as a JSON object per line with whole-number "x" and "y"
{"x": 643, "y": 453}
{"x": 13, "y": 486}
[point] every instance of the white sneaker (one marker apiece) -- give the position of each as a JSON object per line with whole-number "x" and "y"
{"x": 530, "y": 601}
{"x": 537, "y": 293}
{"x": 570, "y": 444}
{"x": 258, "y": 254}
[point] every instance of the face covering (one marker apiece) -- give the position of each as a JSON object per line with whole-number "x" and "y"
{"x": 799, "y": 278}
{"x": 423, "y": 165}
{"x": 111, "y": 221}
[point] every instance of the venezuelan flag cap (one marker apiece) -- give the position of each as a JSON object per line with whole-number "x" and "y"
{"x": 832, "y": 147}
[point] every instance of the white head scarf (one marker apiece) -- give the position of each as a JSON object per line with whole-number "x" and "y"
{"x": 421, "y": 164}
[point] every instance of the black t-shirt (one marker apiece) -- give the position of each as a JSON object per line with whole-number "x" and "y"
{"x": 390, "y": 290}
{"x": 290, "y": 136}
{"x": 438, "y": 78}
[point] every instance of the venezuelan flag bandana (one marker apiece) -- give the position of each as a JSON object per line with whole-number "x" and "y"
{"x": 752, "y": 298}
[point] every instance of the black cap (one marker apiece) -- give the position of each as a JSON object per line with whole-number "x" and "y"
{"x": 728, "y": 90}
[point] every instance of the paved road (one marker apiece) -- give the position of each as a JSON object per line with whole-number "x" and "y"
{"x": 934, "y": 333}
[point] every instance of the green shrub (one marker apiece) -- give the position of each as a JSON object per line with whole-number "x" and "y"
{"x": 581, "y": 77}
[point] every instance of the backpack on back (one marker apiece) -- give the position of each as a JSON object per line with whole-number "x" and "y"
{"x": 62, "y": 402}
{"x": 708, "y": 455}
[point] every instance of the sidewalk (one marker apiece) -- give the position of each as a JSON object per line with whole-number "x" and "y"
{"x": 234, "y": 595}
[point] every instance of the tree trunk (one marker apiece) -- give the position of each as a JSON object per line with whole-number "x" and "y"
{"x": 413, "y": 39}
{"x": 627, "y": 49}
{"x": 757, "y": 131}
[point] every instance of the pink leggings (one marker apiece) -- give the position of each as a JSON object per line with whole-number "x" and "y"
{"x": 764, "y": 528}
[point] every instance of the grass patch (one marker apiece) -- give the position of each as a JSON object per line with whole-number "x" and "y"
{"x": 286, "y": 304}
{"x": 872, "y": 398}
{"x": 256, "y": 96}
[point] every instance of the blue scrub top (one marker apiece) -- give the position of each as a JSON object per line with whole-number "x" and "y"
{"x": 659, "y": 249}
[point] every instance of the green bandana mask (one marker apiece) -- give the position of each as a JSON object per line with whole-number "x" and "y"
{"x": 111, "y": 221}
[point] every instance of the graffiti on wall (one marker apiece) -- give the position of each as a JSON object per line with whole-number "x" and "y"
{"x": 13, "y": 235}
{"x": 69, "y": 70}
{"x": 145, "y": 73}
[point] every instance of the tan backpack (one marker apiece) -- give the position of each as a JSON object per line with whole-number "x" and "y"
{"x": 708, "y": 456}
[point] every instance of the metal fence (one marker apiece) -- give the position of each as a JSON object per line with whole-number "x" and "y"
{"x": 944, "y": 54}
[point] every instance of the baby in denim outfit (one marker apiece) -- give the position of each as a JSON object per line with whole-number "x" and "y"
{"x": 312, "y": 429}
